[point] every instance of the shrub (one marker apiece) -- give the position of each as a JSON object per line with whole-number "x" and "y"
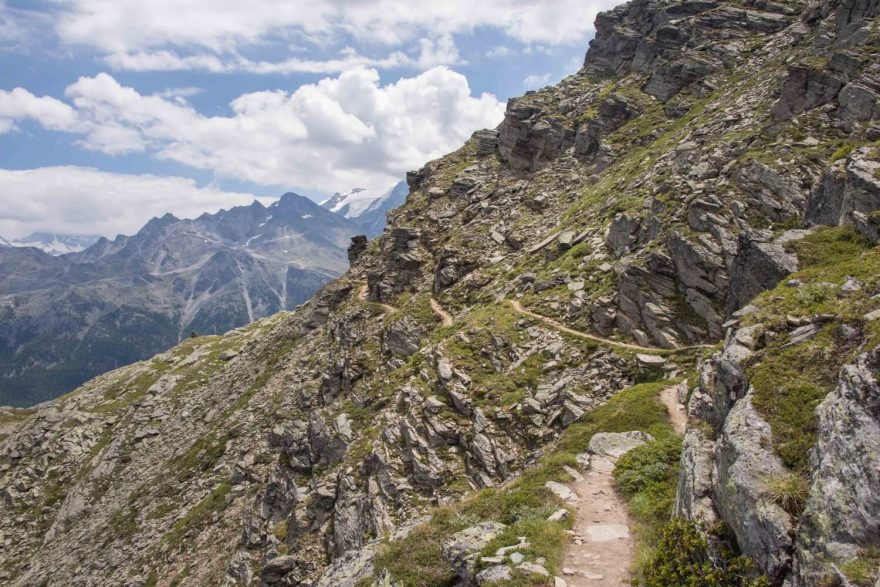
{"x": 684, "y": 557}
{"x": 647, "y": 476}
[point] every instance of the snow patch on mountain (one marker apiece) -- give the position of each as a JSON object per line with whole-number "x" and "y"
{"x": 367, "y": 208}
{"x": 53, "y": 244}
{"x": 355, "y": 202}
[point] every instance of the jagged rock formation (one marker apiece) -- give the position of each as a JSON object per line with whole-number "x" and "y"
{"x": 648, "y": 200}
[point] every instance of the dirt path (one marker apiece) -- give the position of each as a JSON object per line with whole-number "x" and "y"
{"x": 601, "y": 551}
{"x": 559, "y": 326}
{"x": 677, "y": 412}
{"x": 445, "y": 316}
{"x": 364, "y": 291}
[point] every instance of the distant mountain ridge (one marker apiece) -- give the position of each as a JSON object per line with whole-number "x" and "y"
{"x": 66, "y": 318}
{"x": 52, "y": 243}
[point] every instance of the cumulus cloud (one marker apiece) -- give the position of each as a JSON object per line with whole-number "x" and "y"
{"x": 211, "y": 36}
{"x": 340, "y": 132}
{"x": 80, "y": 200}
{"x": 19, "y": 104}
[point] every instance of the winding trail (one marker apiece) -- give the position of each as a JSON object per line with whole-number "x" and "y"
{"x": 517, "y": 307}
{"x": 445, "y": 316}
{"x": 677, "y": 412}
{"x": 364, "y": 291}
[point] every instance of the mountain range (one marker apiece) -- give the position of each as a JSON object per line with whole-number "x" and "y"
{"x": 66, "y": 318}
{"x": 629, "y": 336}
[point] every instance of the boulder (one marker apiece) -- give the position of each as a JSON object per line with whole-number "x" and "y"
{"x": 403, "y": 338}
{"x": 494, "y": 574}
{"x": 617, "y": 444}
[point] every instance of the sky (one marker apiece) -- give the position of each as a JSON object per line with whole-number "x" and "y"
{"x": 115, "y": 111}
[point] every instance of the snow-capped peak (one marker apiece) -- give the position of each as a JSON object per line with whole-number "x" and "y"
{"x": 54, "y": 244}
{"x": 353, "y": 203}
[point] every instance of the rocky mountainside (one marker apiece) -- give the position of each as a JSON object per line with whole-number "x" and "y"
{"x": 367, "y": 208}
{"x": 694, "y": 212}
{"x": 53, "y": 244}
{"x": 65, "y": 319}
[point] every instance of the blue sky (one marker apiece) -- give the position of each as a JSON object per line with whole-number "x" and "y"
{"x": 113, "y": 111}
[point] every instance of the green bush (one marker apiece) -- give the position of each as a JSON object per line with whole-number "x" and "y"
{"x": 685, "y": 558}
{"x": 647, "y": 476}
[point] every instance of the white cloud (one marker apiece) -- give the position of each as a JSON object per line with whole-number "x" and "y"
{"x": 210, "y": 35}
{"x": 19, "y": 104}
{"x": 533, "y": 82}
{"x": 337, "y": 133}
{"x": 80, "y": 200}
{"x": 499, "y": 51}
{"x": 431, "y": 53}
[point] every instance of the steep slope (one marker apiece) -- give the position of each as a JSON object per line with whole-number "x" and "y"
{"x": 66, "y": 319}
{"x": 700, "y": 198}
{"x": 366, "y": 208}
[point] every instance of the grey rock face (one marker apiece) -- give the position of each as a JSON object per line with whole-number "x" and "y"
{"x": 804, "y": 89}
{"x": 695, "y": 481}
{"x": 527, "y": 140}
{"x": 487, "y": 142}
{"x": 357, "y": 247}
{"x": 848, "y": 192}
{"x": 622, "y": 233}
{"x": 668, "y": 80}
{"x": 348, "y": 569}
{"x": 759, "y": 266}
{"x": 745, "y": 463}
{"x": 842, "y": 513}
{"x": 613, "y": 113}
{"x": 775, "y": 195}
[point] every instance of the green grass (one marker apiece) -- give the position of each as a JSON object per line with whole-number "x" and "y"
{"x": 790, "y": 382}
{"x": 199, "y": 515}
{"x": 862, "y": 570}
{"x": 789, "y": 491}
{"x": 524, "y": 504}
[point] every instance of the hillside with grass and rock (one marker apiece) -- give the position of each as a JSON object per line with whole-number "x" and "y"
{"x": 630, "y": 335}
